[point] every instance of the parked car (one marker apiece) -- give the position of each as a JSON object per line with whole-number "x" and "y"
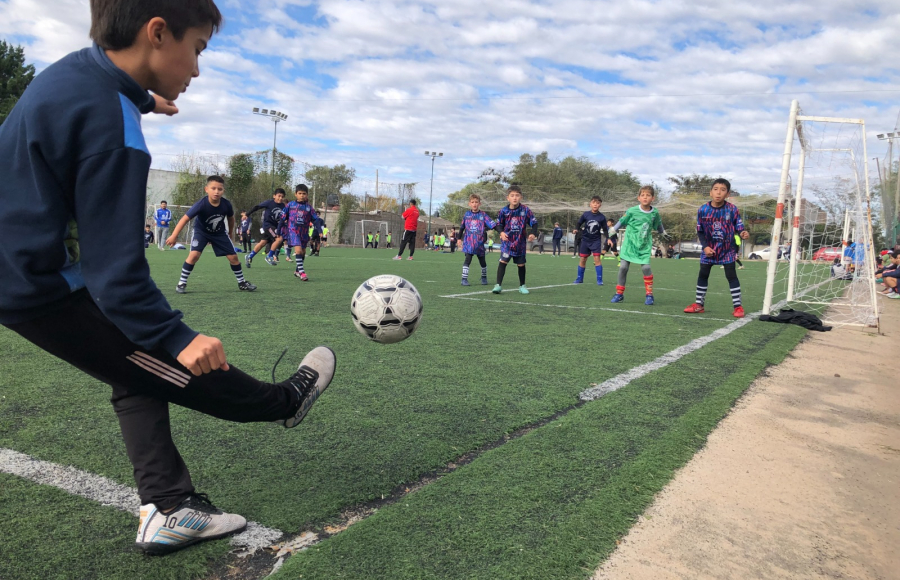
{"x": 689, "y": 249}
{"x": 827, "y": 254}
{"x": 763, "y": 254}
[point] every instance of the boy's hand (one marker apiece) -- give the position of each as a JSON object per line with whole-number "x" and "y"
{"x": 164, "y": 106}
{"x": 170, "y": 241}
{"x": 204, "y": 354}
{"x": 504, "y": 237}
{"x": 709, "y": 251}
{"x": 744, "y": 235}
{"x": 531, "y": 237}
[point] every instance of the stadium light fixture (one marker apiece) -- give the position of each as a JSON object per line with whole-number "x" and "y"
{"x": 431, "y": 154}
{"x": 276, "y": 117}
{"x": 895, "y": 219}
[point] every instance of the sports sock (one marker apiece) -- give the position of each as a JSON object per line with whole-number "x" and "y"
{"x": 580, "y": 272}
{"x": 620, "y": 289}
{"x": 271, "y": 253}
{"x": 186, "y": 270}
{"x": 648, "y": 284}
{"x": 299, "y": 259}
{"x": 484, "y": 272}
{"x": 501, "y": 270}
{"x": 701, "y": 294}
{"x": 251, "y": 254}
{"x": 735, "y": 287}
{"x": 599, "y": 270}
{"x": 238, "y": 273}
{"x": 521, "y": 275}
{"x": 465, "y": 273}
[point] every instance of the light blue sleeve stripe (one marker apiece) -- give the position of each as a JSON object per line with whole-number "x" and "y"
{"x": 131, "y": 117}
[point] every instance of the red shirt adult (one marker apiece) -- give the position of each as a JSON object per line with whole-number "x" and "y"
{"x": 411, "y": 215}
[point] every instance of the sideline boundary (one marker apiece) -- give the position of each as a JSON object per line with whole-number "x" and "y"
{"x": 109, "y": 493}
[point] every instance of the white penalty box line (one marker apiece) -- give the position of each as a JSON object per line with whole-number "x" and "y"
{"x": 109, "y": 493}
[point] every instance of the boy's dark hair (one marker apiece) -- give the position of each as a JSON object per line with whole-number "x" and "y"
{"x": 301, "y": 187}
{"x": 513, "y": 188}
{"x": 146, "y": 225}
{"x": 217, "y": 178}
{"x": 413, "y": 202}
{"x": 724, "y": 182}
{"x": 596, "y": 198}
{"x": 653, "y": 191}
{"x": 163, "y": 202}
{"x": 115, "y": 23}
{"x": 278, "y": 190}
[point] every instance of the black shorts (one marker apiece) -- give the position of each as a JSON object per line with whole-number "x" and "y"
{"x": 270, "y": 234}
{"x": 221, "y": 243}
{"x": 590, "y": 246}
{"x": 515, "y": 259}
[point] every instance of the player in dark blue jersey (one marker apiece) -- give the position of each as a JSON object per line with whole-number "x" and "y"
{"x": 594, "y": 228}
{"x": 298, "y": 217}
{"x": 474, "y": 228}
{"x": 210, "y": 215}
{"x": 272, "y": 209}
{"x": 148, "y": 236}
{"x": 512, "y": 221}
{"x": 717, "y": 224}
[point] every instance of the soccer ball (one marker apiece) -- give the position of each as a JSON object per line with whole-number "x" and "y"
{"x": 386, "y": 308}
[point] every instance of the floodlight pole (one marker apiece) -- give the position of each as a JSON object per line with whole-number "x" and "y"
{"x": 432, "y": 154}
{"x": 895, "y": 219}
{"x": 275, "y": 116}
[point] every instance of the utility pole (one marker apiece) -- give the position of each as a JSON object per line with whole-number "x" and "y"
{"x": 276, "y": 117}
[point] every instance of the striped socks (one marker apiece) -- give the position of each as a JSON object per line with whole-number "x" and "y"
{"x": 186, "y": 270}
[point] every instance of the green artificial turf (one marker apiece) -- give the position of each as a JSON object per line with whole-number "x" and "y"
{"x": 474, "y": 371}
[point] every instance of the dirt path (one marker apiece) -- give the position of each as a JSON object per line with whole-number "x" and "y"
{"x": 801, "y": 481}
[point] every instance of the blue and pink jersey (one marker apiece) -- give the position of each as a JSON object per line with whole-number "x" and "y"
{"x": 297, "y": 218}
{"x": 474, "y": 228}
{"x": 716, "y": 228}
{"x": 513, "y": 222}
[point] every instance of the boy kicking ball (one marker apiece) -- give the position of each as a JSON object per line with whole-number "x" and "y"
{"x": 717, "y": 224}
{"x": 74, "y": 178}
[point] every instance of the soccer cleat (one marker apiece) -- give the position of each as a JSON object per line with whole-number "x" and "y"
{"x": 599, "y": 282}
{"x": 246, "y": 286}
{"x": 396, "y": 258}
{"x": 271, "y": 261}
{"x": 304, "y": 277}
{"x": 739, "y": 312}
{"x": 247, "y": 260}
{"x": 484, "y": 281}
{"x": 409, "y": 258}
{"x": 523, "y": 289}
{"x": 296, "y": 274}
{"x": 893, "y": 296}
{"x": 740, "y": 267}
{"x": 311, "y": 379}
{"x": 465, "y": 282}
{"x": 694, "y": 308}
{"x": 288, "y": 259}
{"x": 578, "y": 281}
{"x": 617, "y": 298}
{"x": 194, "y": 520}
{"x": 497, "y": 289}
{"x": 649, "y": 300}
{"x": 181, "y": 288}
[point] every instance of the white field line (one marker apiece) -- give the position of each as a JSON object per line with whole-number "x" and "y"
{"x": 593, "y": 308}
{"x": 512, "y": 290}
{"x": 621, "y": 380}
{"x": 109, "y": 493}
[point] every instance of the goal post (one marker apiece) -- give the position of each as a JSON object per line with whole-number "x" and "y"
{"x": 830, "y": 254}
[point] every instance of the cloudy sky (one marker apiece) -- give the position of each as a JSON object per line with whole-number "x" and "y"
{"x": 655, "y": 87}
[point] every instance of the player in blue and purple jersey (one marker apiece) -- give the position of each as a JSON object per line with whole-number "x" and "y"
{"x": 717, "y": 224}
{"x": 298, "y": 216}
{"x": 210, "y": 215}
{"x": 593, "y": 225}
{"x": 474, "y": 228}
{"x": 512, "y": 221}
{"x": 272, "y": 209}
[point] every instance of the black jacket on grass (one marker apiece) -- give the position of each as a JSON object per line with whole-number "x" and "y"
{"x": 73, "y": 185}
{"x": 798, "y": 317}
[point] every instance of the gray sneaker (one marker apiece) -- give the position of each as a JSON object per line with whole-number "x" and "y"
{"x": 194, "y": 520}
{"x": 181, "y": 288}
{"x": 311, "y": 379}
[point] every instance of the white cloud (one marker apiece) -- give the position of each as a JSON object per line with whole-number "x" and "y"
{"x": 656, "y": 87}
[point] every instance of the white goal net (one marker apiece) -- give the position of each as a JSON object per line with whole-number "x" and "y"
{"x": 821, "y": 257}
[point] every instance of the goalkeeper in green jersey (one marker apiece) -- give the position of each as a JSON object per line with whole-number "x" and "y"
{"x": 641, "y": 221}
